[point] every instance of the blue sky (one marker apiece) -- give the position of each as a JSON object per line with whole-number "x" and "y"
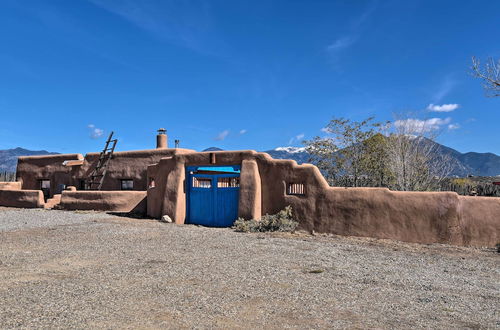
{"x": 240, "y": 74}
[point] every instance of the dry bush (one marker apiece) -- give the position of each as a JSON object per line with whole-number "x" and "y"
{"x": 281, "y": 221}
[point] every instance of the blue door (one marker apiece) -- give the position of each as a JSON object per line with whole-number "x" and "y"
{"x": 212, "y": 195}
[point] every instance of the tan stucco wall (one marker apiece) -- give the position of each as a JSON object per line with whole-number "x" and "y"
{"x": 424, "y": 217}
{"x": 31, "y": 169}
{"x": 250, "y": 202}
{"x": 10, "y": 185}
{"x": 116, "y": 201}
{"x": 124, "y": 165}
{"x": 21, "y": 198}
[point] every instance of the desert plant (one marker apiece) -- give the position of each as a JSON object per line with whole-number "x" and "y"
{"x": 281, "y": 221}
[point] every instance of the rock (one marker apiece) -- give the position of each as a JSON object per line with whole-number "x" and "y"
{"x": 166, "y": 218}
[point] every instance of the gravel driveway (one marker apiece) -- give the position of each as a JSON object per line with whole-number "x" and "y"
{"x": 92, "y": 270}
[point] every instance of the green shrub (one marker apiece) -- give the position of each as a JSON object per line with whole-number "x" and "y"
{"x": 281, "y": 221}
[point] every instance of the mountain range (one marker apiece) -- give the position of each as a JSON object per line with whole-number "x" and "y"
{"x": 8, "y": 158}
{"x": 463, "y": 164}
{"x": 470, "y": 163}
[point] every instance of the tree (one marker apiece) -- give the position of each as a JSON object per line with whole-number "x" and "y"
{"x": 414, "y": 159}
{"x": 376, "y": 161}
{"x": 342, "y": 155}
{"x": 489, "y": 73}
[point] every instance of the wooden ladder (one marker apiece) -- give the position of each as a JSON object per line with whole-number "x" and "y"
{"x": 96, "y": 178}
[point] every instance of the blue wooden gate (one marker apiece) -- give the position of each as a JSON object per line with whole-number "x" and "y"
{"x": 212, "y": 195}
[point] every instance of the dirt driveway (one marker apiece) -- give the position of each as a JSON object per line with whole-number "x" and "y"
{"x": 92, "y": 270}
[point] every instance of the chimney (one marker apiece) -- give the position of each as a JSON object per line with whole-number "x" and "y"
{"x": 161, "y": 139}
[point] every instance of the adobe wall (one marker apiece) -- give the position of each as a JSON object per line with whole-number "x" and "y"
{"x": 480, "y": 218}
{"x": 31, "y": 169}
{"x": 10, "y": 185}
{"x": 114, "y": 201}
{"x": 22, "y": 198}
{"x": 423, "y": 217}
{"x": 123, "y": 165}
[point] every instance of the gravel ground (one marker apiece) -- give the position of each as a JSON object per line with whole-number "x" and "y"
{"x": 92, "y": 270}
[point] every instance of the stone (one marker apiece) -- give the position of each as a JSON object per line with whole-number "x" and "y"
{"x": 166, "y": 218}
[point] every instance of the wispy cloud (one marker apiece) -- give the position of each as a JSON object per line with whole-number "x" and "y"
{"x": 95, "y": 132}
{"x": 443, "y": 107}
{"x": 444, "y": 89}
{"x": 413, "y": 125}
{"x": 351, "y": 37}
{"x": 296, "y": 138}
{"x": 453, "y": 126}
{"x": 243, "y": 131}
{"x": 222, "y": 135}
{"x": 341, "y": 44}
{"x": 186, "y": 23}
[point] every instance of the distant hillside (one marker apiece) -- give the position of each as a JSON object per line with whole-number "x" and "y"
{"x": 300, "y": 155}
{"x": 213, "y": 149}
{"x": 8, "y": 158}
{"x": 470, "y": 163}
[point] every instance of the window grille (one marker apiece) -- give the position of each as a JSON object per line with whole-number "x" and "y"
{"x": 202, "y": 182}
{"x": 228, "y": 182}
{"x": 296, "y": 189}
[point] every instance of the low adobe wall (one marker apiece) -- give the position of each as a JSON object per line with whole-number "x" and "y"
{"x": 22, "y": 198}
{"x": 115, "y": 201}
{"x": 421, "y": 217}
{"x": 10, "y": 185}
{"x": 480, "y": 220}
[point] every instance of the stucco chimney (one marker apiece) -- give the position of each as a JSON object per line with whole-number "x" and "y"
{"x": 162, "y": 139}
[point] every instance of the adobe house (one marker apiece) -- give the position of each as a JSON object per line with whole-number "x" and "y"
{"x": 214, "y": 188}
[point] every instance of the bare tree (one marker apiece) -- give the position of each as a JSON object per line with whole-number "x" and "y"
{"x": 415, "y": 160}
{"x": 489, "y": 73}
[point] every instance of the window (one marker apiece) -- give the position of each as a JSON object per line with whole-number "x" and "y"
{"x": 228, "y": 182}
{"x": 295, "y": 189}
{"x": 127, "y": 184}
{"x": 202, "y": 182}
{"x": 44, "y": 184}
{"x": 151, "y": 183}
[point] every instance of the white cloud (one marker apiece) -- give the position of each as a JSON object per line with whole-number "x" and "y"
{"x": 325, "y": 130}
{"x": 243, "y": 131}
{"x": 352, "y": 36}
{"x": 222, "y": 135}
{"x": 446, "y": 86}
{"x": 413, "y": 125}
{"x": 296, "y": 138}
{"x": 95, "y": 132}
{"x": 443, "y": 107}
{"x": 453, "y": 126}
{"x": 340, "y": 44}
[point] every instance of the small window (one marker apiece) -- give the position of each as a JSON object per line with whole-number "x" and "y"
{"x": 44, "y": 184}
{"x": 82, "y": 184}
{"x": 228, "y": 182}
{"x": 152, "y": 183}
{"x": 202, "y": 182}
{"x": 295, "y": 189}
{"x": 127, "y": 184}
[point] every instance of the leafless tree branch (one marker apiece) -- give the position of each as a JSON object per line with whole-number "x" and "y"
{"x": 489, "y": 73}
